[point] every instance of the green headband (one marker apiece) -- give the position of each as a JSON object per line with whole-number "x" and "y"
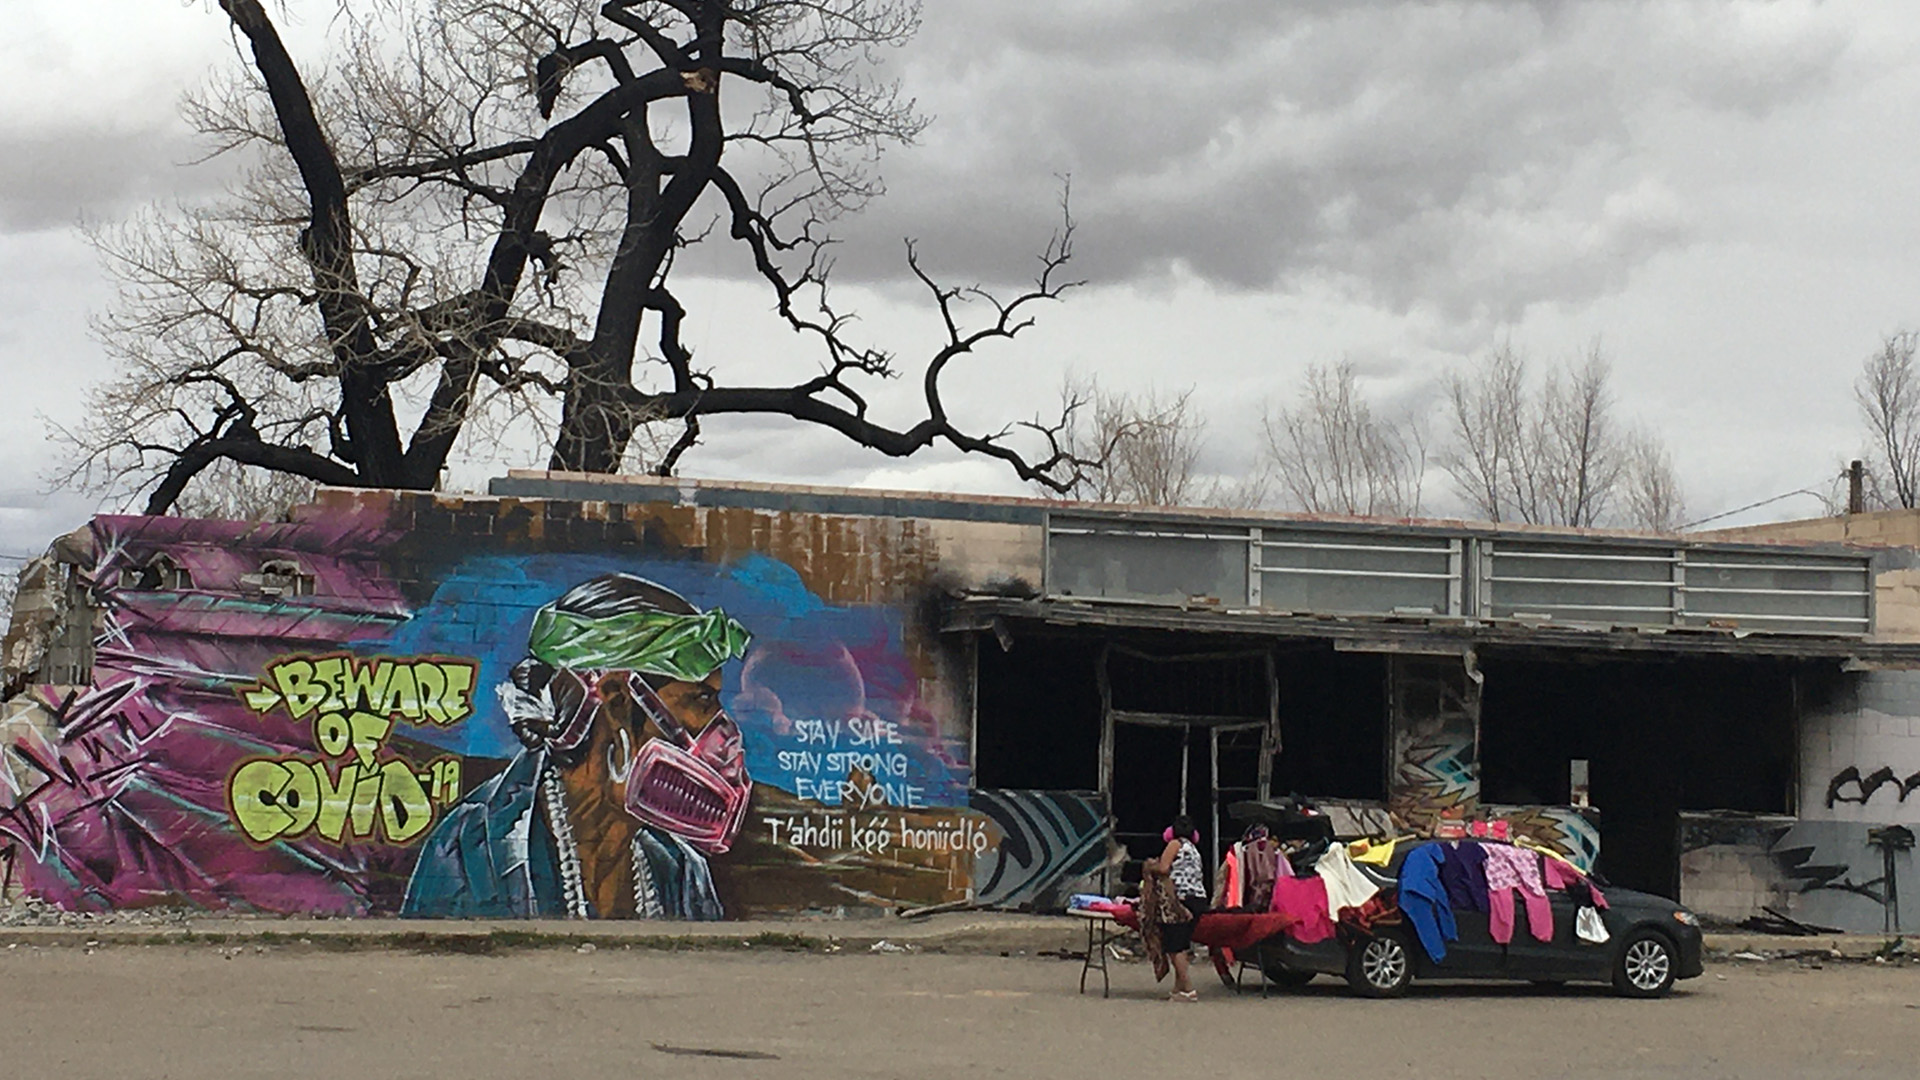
{"x": 685, "y": 647}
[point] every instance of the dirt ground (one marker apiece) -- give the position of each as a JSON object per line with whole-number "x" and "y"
{"x": 210, "y": 1013}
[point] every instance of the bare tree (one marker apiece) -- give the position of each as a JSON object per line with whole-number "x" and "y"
{"x": 9, "y": 590}
{"x": 1553, "y": 456}
{"x": 1653, "y": 498}
{"x": 1148, "y": 444}
{"x": 1888, "y": 393}
{"x": 1332, "y": 455}
{"x": 464, "y": 220}
{"x": 1581, "y": 452}
{"x": 1487, "y": 412}
{"x": 230, "y": 492}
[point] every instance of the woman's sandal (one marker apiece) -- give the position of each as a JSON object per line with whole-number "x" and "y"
{"x": 1184, "y": 995}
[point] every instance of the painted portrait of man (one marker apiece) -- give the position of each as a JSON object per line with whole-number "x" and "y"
{"x": 631, "y": 774}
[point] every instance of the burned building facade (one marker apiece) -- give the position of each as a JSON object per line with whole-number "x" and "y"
{"x": 627, "y": 697}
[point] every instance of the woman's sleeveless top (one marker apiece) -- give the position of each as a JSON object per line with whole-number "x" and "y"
{"x": 1189, "y": 875}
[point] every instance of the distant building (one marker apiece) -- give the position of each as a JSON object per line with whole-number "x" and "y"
{"x": 641, "y": 697}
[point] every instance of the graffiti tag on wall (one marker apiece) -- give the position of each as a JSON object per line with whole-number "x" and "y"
{"x": 1864, "y": 787}
{"x": 353, "y": 791}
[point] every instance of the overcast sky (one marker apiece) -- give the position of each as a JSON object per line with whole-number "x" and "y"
{"x": 1720, "y": 193}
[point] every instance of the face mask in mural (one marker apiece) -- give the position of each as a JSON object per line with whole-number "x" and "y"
{"x": 617, "y": 704}
{"x": 695, "y": 786}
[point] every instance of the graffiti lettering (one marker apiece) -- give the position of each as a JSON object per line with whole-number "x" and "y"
{"x": 876, "y": 834}
{"x": 1865, "y": 786}
{"x": 873, "y": 733}
{"x": 817, "y": 732}
{"x": 867, "y": 778}
{"x": 861, "y": 794}
{"x": 353, "y": 704}
{"x": 282, "y": 798}
{"x": 433, "y": 690}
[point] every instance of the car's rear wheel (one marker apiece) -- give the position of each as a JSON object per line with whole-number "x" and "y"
{"x": 1645, "y": 965}
{"x": 1380, "y": 966}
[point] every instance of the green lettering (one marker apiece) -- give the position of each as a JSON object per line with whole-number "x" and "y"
{"x": 433, "y": 688}
{"x": 335, "y": 798}
{"x": 254, "y": 795}
{"x": 403, "y": 697}
{"x": 329, "y": 671}
{"x": 457, "y": 704}
{"x": 368, "y": 731}
{"x": 332, "y": 734}
{"x": 294, "y": 678}
{"x": 405, "y": 810}
{"x": 366, "y": 685}
{"x": 300, "y": 798}
{"x": 366, "y": 804}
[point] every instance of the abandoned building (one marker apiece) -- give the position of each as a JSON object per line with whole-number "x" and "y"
{"x": 388, "y": 703}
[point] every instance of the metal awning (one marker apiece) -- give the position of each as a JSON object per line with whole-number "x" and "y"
{"x": 1414, "y": 635}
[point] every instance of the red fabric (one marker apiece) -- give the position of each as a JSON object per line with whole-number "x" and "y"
{"x": 1380, "y": 910}
{"x": 1304, "y": 900}
{"x": 1225, "y": 930}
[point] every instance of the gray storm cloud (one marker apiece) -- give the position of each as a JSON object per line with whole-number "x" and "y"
{"x": 1477, "y": 157}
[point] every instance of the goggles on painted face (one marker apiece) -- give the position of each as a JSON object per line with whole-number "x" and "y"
{"x": 694, "y": 786}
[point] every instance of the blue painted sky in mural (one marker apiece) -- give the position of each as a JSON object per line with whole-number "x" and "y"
{"x": 809, "y": 661}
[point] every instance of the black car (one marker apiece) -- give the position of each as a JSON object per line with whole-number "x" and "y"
{"x": 1651, "y": 942}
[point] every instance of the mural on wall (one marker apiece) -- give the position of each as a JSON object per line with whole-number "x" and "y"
{"x": 1825, "y": 873}
{"x": 1573, "y": 831}
{"x": 1053, "y": 844}
{"x": 340, "y": 717}
{"x": 1435, "y": 734}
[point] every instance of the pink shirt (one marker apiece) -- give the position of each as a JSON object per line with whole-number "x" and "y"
{"x": 1510, "y": 867}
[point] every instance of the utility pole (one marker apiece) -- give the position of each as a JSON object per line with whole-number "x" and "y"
{"x": 1856, "y": 488}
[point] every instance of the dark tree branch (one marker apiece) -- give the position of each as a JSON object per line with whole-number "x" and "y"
{"x": 327, "y": 243}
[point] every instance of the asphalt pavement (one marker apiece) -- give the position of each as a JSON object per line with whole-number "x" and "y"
{"x": 277, "y": 1007}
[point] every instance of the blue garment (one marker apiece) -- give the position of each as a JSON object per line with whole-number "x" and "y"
{"x": 1423, "y": 899}
{"x": 1463, "y": 870}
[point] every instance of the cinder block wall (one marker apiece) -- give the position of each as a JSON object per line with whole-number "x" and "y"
{"x": 1860, "y": 751}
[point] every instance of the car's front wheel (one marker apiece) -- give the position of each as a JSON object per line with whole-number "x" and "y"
{"x": 1380, "y": 966}
{"x": 1645, "y": 965}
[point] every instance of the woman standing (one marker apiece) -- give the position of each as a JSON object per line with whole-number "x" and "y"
{"x": 1181, "y": 864}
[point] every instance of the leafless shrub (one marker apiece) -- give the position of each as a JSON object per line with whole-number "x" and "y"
{"x": 1888, "y": 393}
{"x": 1553, "y": 456}
{"x": 1331, "y": 454}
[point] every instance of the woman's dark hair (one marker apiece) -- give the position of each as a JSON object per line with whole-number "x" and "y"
{"x": 1182, "y": 827}
{"x": 598, "y": 598}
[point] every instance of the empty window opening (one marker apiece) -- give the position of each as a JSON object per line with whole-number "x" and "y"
{"x": 160, "y": 573}
{"x": 1189, "y": 729}
{"x": 1037, "y": 713}
{"x": 1660, "y": 736}
{"x": 1333, "y": 724}
{"x": 281, "y": 577}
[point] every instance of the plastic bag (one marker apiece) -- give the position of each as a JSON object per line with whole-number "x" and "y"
{"x": 1588, "y": 926}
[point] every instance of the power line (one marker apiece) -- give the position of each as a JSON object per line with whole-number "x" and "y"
{"x": 1751, "y": 506}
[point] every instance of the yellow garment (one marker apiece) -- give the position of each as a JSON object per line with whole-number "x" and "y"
{"x": 1366, "y": 851}
{"x": 1533, "y": 845}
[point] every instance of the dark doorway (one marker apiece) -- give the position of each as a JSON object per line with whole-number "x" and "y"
{"x": 1333, "y": 724}
{"x": 1037, "y": 714}
{"x": 1662, "y": 736}
{"x": 1190, "y": 732}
